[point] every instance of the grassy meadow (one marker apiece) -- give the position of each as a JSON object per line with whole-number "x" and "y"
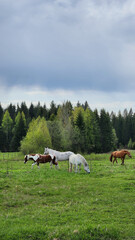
{"x": 54, "y": 204}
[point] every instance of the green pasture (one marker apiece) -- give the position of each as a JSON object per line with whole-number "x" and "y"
{"x": 54, "y": 204}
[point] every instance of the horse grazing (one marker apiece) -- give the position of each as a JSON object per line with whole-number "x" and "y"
{"x": 38, "y": 158}
{"x": 119, "y": 154}
{"x": 78, "y": 160}
{"x": 60, "y": 156}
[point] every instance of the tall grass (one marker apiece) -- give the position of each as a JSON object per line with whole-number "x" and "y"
{"x": 55, "y": 204}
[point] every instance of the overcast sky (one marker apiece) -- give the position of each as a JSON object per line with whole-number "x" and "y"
{"x": 77, "y": 50}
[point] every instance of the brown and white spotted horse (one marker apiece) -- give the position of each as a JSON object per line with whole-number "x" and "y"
{"x": 38, "y": 158}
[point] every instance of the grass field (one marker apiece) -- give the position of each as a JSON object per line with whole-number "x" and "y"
{"x": 54, "y": 204}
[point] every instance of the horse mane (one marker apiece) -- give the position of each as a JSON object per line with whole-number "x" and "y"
{"x": 83, "y": 159}
{"x": 56, "y": 150}
{"x": 124, "y": 150}
{"x": 53, "y": 150}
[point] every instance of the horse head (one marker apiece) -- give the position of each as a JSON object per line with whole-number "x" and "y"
{"x": 46, "y": 151}
{"x": 128, "y": 153}
{"x": 86, "y": 168}
{"x": 26, "y": 158}
{"x": 33, "y": 157}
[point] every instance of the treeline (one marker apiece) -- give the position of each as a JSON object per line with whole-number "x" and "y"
{"x": 64, "y": 127}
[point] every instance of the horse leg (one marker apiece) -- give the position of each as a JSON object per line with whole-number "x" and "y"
{"x": 33, "y": 164}
{"x": 114, "y": 160}
{"x": 56, "y": 166}
{"x": 79, "y": 167}
{"x": 122, "y": 161}
{"x": 51, "y": 164}
{"x": 38, "y": 165}
{"x": 76, "y": 168}
{"x": 70, "y": 167}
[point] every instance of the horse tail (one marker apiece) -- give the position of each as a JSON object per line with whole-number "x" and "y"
{"x": 111, "y": 157}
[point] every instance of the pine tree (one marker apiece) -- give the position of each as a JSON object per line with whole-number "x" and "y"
{"x": 53, "y": 109}
{"x": 7, "y": 124}
{"x": 130, "y": 144}
{"x": 2, "y": 140}
{"x": 97, "y": 132}
{"x": 12, "y": 111}
{"x": 114, "y": 139}
{"x": 133, "y": 127}
{"x": 89, "y": 131}
{"x": 125, "y": 127}
{"x": 106, "y": 131}
{"x": 85, "y": 105}
{"x": 45, "y": 112}
{"x": 24, "y": 109}
{"x": 79, "y": 124}
{"x": 55, "y": 130}
{"x": 63, "y": 116}
{"x": 19, "y": 131}
{"x": 120, "y": 129}
{"x": 1, "y": 113}
{"x": 31, "y": 111}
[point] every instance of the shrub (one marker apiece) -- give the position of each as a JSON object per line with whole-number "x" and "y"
{"x": 37, "y": 137}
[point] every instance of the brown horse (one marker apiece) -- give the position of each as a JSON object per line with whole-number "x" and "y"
{"x": 38, "y": 158}
{"x": 119, "y": 154}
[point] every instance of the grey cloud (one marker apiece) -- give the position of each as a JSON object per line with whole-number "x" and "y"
{"x": 67, "y": 44}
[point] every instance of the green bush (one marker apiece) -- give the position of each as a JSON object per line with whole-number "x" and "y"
{"x": 37, "y": 137}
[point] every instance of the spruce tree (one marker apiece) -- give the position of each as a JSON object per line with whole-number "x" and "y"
{"x": 12, "y": 111}
{"x": 7, "y": 124}
{"x": 32, "y": 111}
{"x": 1, "y": 113}
{"x": 106, "y": 131}
{"x": 79, "y": 124}
{"x": 19, "y": 131}
{"x": 89, "y": 131}
{"x": 53, "y": 109}
{"x": 97, "y": 132}
{"x": 55, "y": 130}
{"x": 120, "y": 130}
{"x": 24, "y": 109}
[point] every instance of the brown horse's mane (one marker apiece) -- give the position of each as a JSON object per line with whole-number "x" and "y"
{"x": 124, "y": 150}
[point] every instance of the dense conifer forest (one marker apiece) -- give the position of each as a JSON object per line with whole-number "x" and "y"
{"x": 64, "y": 127}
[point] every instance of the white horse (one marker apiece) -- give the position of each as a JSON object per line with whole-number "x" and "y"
{"x": 78, "y": 160}
{"x": 60, "y": 156}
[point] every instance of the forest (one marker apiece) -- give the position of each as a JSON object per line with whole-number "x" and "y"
{"x": 65, "y": 127}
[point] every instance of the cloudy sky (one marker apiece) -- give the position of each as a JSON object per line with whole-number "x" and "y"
{"x": 77, "y": 50}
